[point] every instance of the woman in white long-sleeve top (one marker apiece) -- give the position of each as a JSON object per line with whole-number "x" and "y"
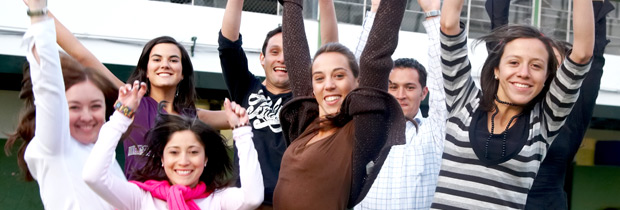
{"x": 68, "y": 113}
{"x": 188, "y": 165}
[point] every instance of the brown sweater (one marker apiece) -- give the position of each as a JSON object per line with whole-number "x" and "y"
{"x": 376, "y": 116}
{"x": 297, "y": 186}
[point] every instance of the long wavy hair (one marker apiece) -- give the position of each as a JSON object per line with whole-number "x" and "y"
{"x": 217, "y": 173}
{"x": 499, "y": 38}
{"x": 184, "y": 102}
{"x": 73, "y": 73}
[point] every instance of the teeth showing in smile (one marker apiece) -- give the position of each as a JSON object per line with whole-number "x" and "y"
{"x": 279, "y": 69}
{"x": 86, "y": 127}
{"x": 164, "y": 74}
{"x": 331, "y": 98}
{"x": 521, "y": 85}
{"x": 183, "y": 172}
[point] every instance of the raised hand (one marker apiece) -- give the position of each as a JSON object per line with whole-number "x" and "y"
{"x": 130, "y": 96}
{"x": 237, "y": 116}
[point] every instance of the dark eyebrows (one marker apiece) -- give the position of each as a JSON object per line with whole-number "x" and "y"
{"x": 172, "y": 56}
{"x": 406, "y": 84}
{"x": 178, "y": 147}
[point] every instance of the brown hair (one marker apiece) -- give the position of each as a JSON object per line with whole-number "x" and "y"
{"x": 339, "y": 48}
{"x": 73, "y": 73}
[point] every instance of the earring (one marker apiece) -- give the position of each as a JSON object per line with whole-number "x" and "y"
{"x": 205, "y": 164}
{"x": 496, "y": 76}
{"x": 177, "y": 92}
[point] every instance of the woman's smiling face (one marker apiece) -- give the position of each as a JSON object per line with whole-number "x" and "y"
{"x": 332, "y": 80}
{"x": 522, "y": 70}
{"x": 184, "y": 158}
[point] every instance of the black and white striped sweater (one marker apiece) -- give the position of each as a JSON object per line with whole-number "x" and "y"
{"x": 464, "y": 180}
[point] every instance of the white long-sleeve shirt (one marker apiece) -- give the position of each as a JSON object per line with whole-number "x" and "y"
{"x": 409, "y": 175}
{"x": 125, "y": 195}
{"x": 54, "y": 158}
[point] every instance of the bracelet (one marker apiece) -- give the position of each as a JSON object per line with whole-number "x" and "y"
{"x": 241, "y": 125}
{"x": 36, "y": 13}
{"x": 123, "y": 109}
{"x": 432, "y": 13}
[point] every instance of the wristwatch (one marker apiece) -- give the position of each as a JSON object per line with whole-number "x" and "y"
{"x": 432, "y": 13}
{"x": 35, "y": 13}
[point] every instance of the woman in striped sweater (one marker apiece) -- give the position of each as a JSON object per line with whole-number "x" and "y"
{"x": 497, "y": 136}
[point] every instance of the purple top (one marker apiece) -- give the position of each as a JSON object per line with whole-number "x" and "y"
{"x": 135, "y": 144}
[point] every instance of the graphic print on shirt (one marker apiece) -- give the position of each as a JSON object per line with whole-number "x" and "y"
{"x": 139, "y": 151}
{"x": 263, "y": 112}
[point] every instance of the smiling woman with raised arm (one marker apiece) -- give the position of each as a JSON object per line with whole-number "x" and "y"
{"x": 497, "y": 136}
{"x": 64, "y": 109}
{"x": 188, "y": 166}
{"x": 166, "y": 67}
{"x": 342, "y": 122}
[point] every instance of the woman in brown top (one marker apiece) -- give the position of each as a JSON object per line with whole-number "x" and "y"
{"x": 343, "y": 129}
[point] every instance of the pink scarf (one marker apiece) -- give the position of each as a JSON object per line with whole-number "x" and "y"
{"x": 178, "y": 197}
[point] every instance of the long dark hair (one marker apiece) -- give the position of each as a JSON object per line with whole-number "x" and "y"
{"x": 184, "y": 102}
{"x": 73, "y": 73}
{"x": 499, "y": 38}
{"x": 217, "y": 173}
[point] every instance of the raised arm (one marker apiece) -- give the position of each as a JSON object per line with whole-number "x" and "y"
{"x": 564, "y": 90}
{"x": 373, "y": 141}
{"x": 251, "y": 193}
{"x": 52, "y": 116}
{"x": 76, "y": 49}
{"x": 329, "y": 23}
{"x": 231, "y": 22}
{"x": 584, "y": 107}
{"x": 437, "y": 112}
{"x": 451, "y": 17}
{"x": 233, "y": 60}
{"x": 366, "y": 27}
{"x": 455, "y": 63}
{"x": 583, "y": 27}
{"x": 296, "y": 51}
{"x": 97, "y": 174}
{"x": 376, "y": 59}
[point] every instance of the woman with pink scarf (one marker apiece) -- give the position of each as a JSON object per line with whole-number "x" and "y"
{"x": 188, "y": 165}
